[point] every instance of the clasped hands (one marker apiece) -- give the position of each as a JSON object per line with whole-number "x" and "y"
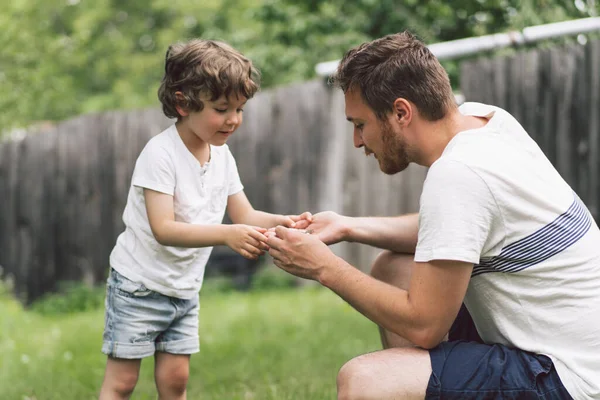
{"x": 300, "y": 244}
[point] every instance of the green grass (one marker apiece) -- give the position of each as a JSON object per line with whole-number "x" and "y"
{"x": 283, "y": 344}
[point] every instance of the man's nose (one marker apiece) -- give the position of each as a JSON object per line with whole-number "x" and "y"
{"x": 358, "y": 142}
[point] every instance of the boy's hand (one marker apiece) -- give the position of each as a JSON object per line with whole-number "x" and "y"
{"x": 248, "y": 241}
{"x": 297, "y": 221}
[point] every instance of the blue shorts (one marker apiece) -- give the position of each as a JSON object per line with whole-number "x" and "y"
{"x": 465, "y": 368}
{"x": 139, "y": 321}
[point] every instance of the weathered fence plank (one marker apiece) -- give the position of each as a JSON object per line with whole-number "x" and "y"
{"x": 593, "y": 117}
{"x": 554, "y": 93}
{"x": 66, "y": 188}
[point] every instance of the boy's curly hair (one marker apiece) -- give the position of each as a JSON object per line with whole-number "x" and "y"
{"x": 204, "y": 68}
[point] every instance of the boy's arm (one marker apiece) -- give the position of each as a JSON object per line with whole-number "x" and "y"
{"x": 240, "y": 211}
{"x": 169, "y": 232}
{"x": 246, "y": 240}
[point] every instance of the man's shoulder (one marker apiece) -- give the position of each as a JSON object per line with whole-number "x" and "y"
{"x": 452, "y": 171}
{"x": 478, "y": 109}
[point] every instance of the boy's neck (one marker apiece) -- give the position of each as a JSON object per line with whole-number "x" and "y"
{"x": 198, "y": 147}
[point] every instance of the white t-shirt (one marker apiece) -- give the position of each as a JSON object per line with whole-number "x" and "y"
{"x": 493, "y": 199}
{"x": 199, "y": 197}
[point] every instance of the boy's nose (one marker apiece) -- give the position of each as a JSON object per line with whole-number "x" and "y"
{"x": 233, "y": 120}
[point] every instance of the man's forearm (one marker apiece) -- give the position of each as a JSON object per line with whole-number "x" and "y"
{"x": 384, "y": 304}
{"x": 398, "y": 234}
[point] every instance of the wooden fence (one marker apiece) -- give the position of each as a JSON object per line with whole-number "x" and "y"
{"x": 555, "y": 94}
{"x": 64, "y": 189}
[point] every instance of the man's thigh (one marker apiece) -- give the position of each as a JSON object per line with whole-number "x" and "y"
{"x": 466, "y": 368}
{"x": 470, "y": 370}
{"x": 396, "y": 373}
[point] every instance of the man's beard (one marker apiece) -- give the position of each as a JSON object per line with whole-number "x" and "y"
{"x": 393, "y": 158}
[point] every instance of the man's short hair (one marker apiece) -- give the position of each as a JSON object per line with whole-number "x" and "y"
{"x": 396, "y": 66}
{"x": 204, "y": 68}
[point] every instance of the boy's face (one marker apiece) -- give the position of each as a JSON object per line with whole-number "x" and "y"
{"x": 217, "y": 121}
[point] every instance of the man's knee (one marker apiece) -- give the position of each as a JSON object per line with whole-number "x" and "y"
{"x": 353, "y": 380}
{"x": 393, "y": 268}
{"x": 385, "y": 375}
{"x": 347, "y": 387}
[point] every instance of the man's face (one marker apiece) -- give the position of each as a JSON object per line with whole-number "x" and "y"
{"x": 377, "y": 137}
{"x": 394, "y": 155}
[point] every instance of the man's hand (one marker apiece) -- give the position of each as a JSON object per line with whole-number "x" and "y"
{"x": 298, "y": 253}
{"x": 248, "y": 241}
{"x": 330, "y": 227}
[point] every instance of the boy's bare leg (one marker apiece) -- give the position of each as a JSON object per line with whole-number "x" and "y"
{"x": 120, "y": 378}
{"x": 171, "y": 372}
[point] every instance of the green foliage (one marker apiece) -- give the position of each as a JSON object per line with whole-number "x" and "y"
{"x": 278, "y": 345}
{"x": 216, "y": 285}
{"x": 66, "y": 57}
{"x": 272, "y": 278}
{"x": 267, "y": 278}
{"x": 72, "y": 297}
{"x": 76, "y": 297}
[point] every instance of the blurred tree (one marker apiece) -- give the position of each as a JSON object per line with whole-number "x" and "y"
{"x": 65, "y": 57}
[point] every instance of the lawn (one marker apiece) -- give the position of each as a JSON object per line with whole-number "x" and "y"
{"x": 282, "y": 344}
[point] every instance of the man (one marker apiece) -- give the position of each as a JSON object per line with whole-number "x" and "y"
{"x": 498, "y": 230}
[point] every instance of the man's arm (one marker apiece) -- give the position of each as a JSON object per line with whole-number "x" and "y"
{"x": 398, "y": 234}
{"x": 423, "y": 314}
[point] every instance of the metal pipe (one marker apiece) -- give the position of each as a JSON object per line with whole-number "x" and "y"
{"x": 462, "y": 47}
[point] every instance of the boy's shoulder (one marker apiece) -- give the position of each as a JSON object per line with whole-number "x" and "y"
{"x": 164, "y": 141}
{"x": 222, "y": 152}
{"x": 222, "y": 149}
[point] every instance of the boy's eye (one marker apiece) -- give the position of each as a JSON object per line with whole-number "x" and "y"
{"x": 240, "y": 110}
{"x": 220, "y": 110}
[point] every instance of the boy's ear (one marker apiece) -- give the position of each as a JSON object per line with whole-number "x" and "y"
{"x": 180, "y": 99}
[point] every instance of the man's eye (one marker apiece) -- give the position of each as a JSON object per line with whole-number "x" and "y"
{"x": 240, "y": 110}
{"x": 359, "y": 126}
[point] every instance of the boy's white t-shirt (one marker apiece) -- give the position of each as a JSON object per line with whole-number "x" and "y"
{"x": 199, "y": 197}
{"x": 493, "y": 199}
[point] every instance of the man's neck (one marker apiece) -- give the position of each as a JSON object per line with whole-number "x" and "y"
{"x": 440, "y": 133}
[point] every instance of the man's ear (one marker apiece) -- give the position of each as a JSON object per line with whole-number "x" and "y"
{"x": 180, "y": 99}
{"x": 403, "y": 111}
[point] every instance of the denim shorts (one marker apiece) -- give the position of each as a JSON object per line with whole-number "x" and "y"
{"x": 139, "y": 321}
{"x": 465, "y": 368}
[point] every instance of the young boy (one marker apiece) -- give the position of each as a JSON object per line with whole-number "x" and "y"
{"x": 183, "y": 181}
